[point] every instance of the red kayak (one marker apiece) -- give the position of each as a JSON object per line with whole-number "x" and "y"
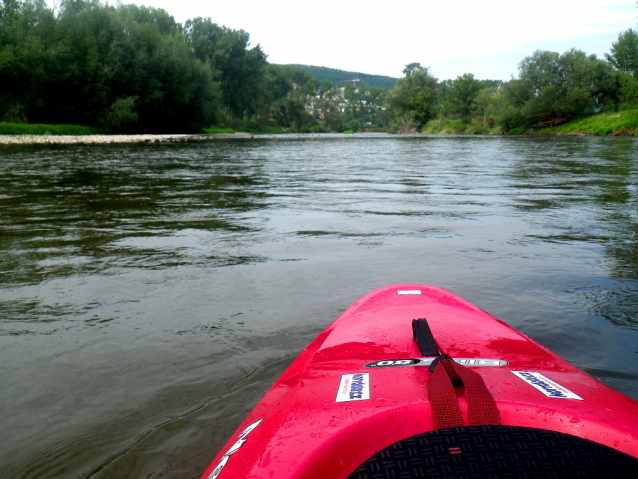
{"x": 412, "y": 381}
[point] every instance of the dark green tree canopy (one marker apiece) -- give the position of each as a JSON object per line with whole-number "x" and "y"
{"x": 554, "y": 88}
{"x": 624, "y": 53}
{"x": 238, "y": 69}
{"x": 414, "y": 98}
{"x": 461, "y": 94}
{"x": 124, "y": 68}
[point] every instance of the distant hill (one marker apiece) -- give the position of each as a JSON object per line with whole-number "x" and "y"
{"x": 333, "y": 76}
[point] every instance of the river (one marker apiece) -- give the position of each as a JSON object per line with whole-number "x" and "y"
{"x": 151, "y": 294}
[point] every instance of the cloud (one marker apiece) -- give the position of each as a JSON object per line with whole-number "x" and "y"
{"x": 382, "y": 37}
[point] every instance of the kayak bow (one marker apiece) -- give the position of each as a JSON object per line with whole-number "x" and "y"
{"x": 412, "y": 381}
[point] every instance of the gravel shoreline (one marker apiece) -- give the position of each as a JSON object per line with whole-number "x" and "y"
{"x": 145, "y": 139}
{"x": 105, "y": 139}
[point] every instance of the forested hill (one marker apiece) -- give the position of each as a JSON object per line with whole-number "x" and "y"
{"x": 334, "y": 75}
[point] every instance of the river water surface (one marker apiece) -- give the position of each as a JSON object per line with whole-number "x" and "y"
{"x": 150, "y": 295}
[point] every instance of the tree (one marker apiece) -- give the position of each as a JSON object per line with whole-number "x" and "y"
{"x": 28, "y": 55}
{"x": 460, "y": 96}
{"x": 624, "y": 53}
{"x": 127, "y": 68}
{"x": 487, "y": 106}
{"x": 413, "y": 101}
{"x": 124, "y": 68}
{"x": 554, "y": 88}
{"x": 624, "y": 59}
{"x": 239, "y": 70}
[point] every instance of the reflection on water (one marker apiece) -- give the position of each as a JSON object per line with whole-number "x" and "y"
{"x": 88, "y": 211}
{"x": 151, "y": 294}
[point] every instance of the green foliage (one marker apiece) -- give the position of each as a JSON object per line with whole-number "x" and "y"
{"x": 362, "y": 108}
{"x": 461, "y": 95}
{"x": 238, "y": 70}
{"x": 39, "y": 129}
{"x": 554, "y": 88}
{"x": 126, "y": 68}
{"x": 624, "y": 53}
{"x": 487, "y": 106}
{"x": 627, "y": 90}
{"x": 459, "y": 126}
{"x": 120, "y": 114}
{"x": 413, "y": 101}
{"x": 272, "y": 129}
{"x": 291, "y": 113}
{"x": 218, "y": 131}
{"x": 621, "y": 123}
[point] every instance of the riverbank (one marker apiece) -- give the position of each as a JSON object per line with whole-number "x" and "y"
{"x": 604, "y": 124}
{"x": 146, "y": 139}
{"x": 623, "y": 123}
{"x": 111, "y": 139}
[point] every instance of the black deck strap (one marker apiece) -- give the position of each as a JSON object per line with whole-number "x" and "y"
{"x": 424, "y": 338}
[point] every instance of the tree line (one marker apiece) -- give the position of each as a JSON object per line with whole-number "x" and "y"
{"x": 551, "y": 89}
{"x": 128, "y": 68}
{"x": 133, "y": 69}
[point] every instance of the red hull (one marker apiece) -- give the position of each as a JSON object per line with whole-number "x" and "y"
{"x": 318, "y": 422}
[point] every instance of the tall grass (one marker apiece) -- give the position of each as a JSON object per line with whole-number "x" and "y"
{"x": 38, "y": 129}
{"x": 460, "y": 127}
{"x": 623, "y": 123}
{"x": 218, "y": 131}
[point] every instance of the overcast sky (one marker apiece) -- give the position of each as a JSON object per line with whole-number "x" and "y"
{"x": 487, "y": 38}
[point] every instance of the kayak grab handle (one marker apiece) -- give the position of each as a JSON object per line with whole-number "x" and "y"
{"x": 424, "y": 338}
{"x": 446, "y": 413}
{"x": 446, "y": 375}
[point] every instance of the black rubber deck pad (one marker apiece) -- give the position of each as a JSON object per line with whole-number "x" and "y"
{"x": 491, "y": 452}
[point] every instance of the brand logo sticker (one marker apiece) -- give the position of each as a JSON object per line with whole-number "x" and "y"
{"x": 545, "y": 385}
{"x": 399, "y": 363}
{"x": 234, "y": 448}
{"x": 354, "y": 387}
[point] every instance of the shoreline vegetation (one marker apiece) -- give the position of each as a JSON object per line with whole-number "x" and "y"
{"x": 624, "y": 123}
{"x": 126, "y": 69}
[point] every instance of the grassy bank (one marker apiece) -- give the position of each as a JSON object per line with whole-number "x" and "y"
{"x": 218, "y": 131}
{"x": 38, "y": 129}
{"x": 624, "y": 123}
{"x": 458, "y": 127}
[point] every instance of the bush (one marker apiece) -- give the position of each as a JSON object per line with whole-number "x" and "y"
{"x": 271, "y": 129}
{"x": 39, "y": 129}
{"x": 218, "y": 131}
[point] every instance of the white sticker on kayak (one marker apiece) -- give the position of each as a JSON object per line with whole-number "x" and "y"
{"x": 354, "y": 387}
{"x": 410, "y": 291}
{"x": 234, "y": 448}
{"x": 546, "y": 386}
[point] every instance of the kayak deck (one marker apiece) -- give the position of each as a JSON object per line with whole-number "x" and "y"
{"x": 361, "y": 386}
{"x": 496, "y": 451}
